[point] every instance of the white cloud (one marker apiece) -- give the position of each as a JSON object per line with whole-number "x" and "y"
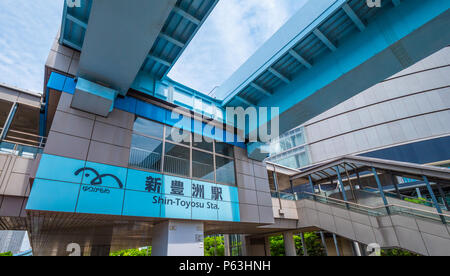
{"x": 27, "y": 30}
{"x": 232, "y": 33}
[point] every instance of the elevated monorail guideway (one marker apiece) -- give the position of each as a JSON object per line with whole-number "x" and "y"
{"x": 121, "y": 40}
{"x": 332, "y": 50}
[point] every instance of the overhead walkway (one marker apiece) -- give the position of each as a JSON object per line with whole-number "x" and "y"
{"x": 359, "y": 206}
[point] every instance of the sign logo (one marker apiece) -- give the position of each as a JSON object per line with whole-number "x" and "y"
{"x": 98, "y": 179}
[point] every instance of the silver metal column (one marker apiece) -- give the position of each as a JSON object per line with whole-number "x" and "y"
{"x": 322, "y": 237}
{"x": 336, "y": 245}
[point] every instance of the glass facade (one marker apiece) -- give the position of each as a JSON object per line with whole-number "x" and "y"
{"x": 178, "y": 135}
{"x": 177, "y": 159}
{"x": 225, "y": 170}
{"x": 290, "y": 150}
{"x": 157, "y": 147}
{"x": 146, "y": 153}
{"x": 202, "y": 165}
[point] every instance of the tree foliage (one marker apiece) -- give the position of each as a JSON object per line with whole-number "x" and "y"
{"x": 313, "y": 245}
{"x": 133, "y": 253}
{"x": 6, "y": 254}
{"x": 214, "y": 246}
{"x": 419, "y": 200}
{"x": 397, "y": 252}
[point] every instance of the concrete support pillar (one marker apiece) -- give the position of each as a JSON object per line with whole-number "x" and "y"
{"x": 356, "y": 249}
{"x": 339, "y": 246}
{"x": 289, "y": 244}
{"x": 76, "y": 242}
{"x": 244, "y": 245}
{"x": 178, "y": 238}
{"x": 256, "y": 247}
{"x": 101, "y": 241}
{"x": 227, "y": 245}
{"x": 267, "y": 246}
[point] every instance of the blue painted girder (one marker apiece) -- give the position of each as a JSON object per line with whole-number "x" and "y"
{"x": 394, "y": 39}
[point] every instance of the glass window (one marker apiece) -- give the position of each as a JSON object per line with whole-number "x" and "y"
{"x": 178, "y": 134}
{"x": 6, "y": 147}
{"x": 224, "y": 149}
{"x": 148, "y": 127}
{"x": 299, "y": 139}
{"x": 145, "y": 153}
{"x": 202, "y": 165}
{"x": 177, "y": 159}
{"x": 204, "y": 145}
{"x": 225, "y": 170}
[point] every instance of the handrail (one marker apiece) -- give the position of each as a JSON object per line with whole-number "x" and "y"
{"x": 25, "y": 133}
{"x": 23, "y": 139}
{"x": 394, "y": 194}
{"x": 283, "y": 195}
{"x": 18, "y": 149}
{"x": 22, "y": 144}
{"x": 379, "y": 207}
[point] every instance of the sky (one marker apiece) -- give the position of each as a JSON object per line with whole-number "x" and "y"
{"x": 27, "y": 31}
{"x": 232, "y": 33}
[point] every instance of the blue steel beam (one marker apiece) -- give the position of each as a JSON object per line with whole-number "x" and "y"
{"x": 279, "y": 75}
{"x": 324, "y": 244}
{"x": 380, "y": 189}
{"x": 354, "y": 17}
{"x": 433, "y": 198}
{"x": 172, "y": 40}
{"x": 160, "y": 60}
{"x": 325, "y": 40}
{"x": 9, "y": 119}
{"x": 341, "y": 184}
{"x": 300, "y": 59}
{"x": 338, "y": 252}
{"x": 247, "y": 102}
{"x": 77, "y": 21}
{"x": 311, "y": 184}
{"x": 416, "y": 28}
{"x": 71, "y": 44}
{"x": 260, "y": 89}
{"x": 187, "y": 15}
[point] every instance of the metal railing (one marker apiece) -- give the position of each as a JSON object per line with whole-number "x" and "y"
{"x": 22, "y": 146}
{"x": 282, "y": 195}
{"x": 25, "y": 138}
{"x": 144, "y": 159}
{"x": 390, "y": 209}
{"x": 414, "y": 200}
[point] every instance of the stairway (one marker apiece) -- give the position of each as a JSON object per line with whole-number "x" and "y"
{"x": 394, "y": 226}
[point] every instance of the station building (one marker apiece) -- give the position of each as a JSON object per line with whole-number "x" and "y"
{"x": 94, "y": 164}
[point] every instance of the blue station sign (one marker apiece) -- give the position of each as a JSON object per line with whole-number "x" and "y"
{"x": 75, "y": 186}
